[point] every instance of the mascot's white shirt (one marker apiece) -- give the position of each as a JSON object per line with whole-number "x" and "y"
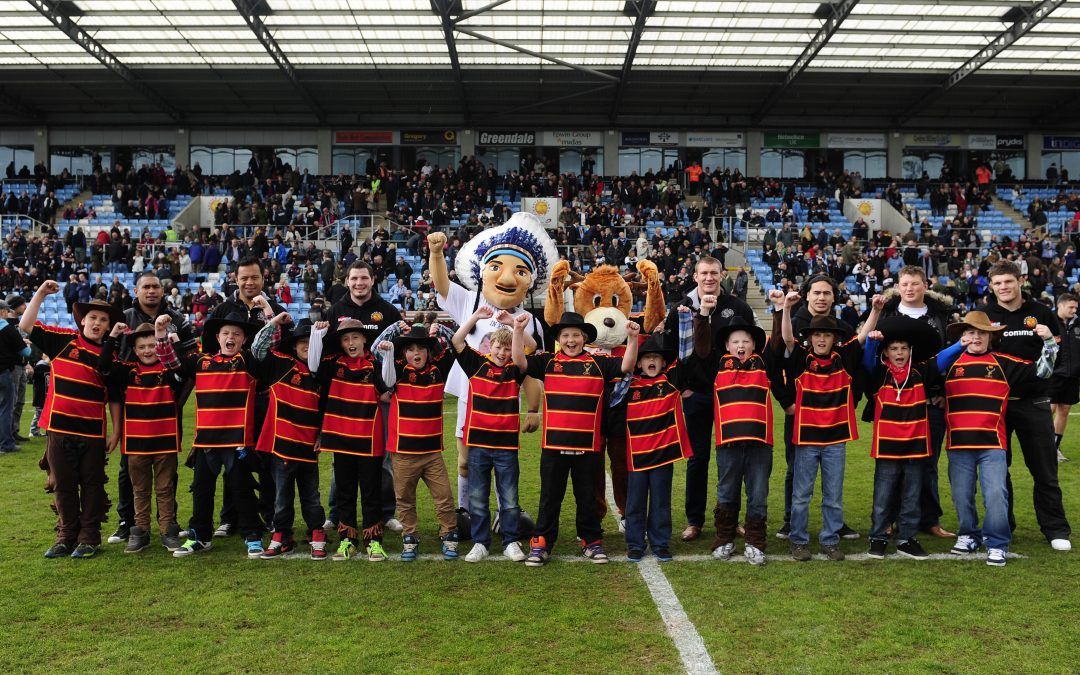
{"x": 460, "y": 303}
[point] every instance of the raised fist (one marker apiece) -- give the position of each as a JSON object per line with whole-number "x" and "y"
{"x": 708, "y": 304}
{"x": 436, "y": 241}
{"x": 163, "y": 322}
{"x": 118, "y": 329}
{"x": 49, "y": 287}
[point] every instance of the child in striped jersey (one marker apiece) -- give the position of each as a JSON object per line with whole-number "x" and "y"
{"x": 491, "y": 434}
{"x": 415, "y": 437}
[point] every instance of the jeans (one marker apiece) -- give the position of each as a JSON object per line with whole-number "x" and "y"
{"x": 20, "y": 379}
{"x": 238, "y": 475}
{"x": 789, "y": 459}
{"x": 897, "y": 482}
{"x": 1033, "y": 425}
{"x": 305, "y": 477}
{"x": 7, "y": 407}
{"x": 698, "y": 412}
{"x": 648, "y": 508}
{"x": 988, "y": 468}
{"x": 482, "y": 461}
{"x": 831, "y": 458}
{"x": 749, "y": 465}
{"x": 555, "y": 469}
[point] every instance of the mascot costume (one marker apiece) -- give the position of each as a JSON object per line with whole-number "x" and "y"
{"x": 604, "y": 298}
{"x": 499, "y": 267}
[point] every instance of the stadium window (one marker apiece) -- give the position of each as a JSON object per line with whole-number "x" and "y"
{"x": 503, "y": 158}
{"x": 869, "y": 163}
{"x": 439, "y": 156}
{"x": 724, "y": 158}
{"x": 220, "y": 161}
{"x": 916, "y": 162}
{"x": 165, "y": 156}
{"x": 644, "y": 160}
{"x": 77, "y": 160}
{"x": 783, "y": 163}
{"x": 299, "y": 158}
{"x": 1069, "y": 161}
{"x": 17, "y": 157}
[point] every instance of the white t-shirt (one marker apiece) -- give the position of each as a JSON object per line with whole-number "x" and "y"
{"x": 914, "y": 313}
{"x": 460, "y": 303}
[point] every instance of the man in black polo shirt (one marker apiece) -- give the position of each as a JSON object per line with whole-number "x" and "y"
{"x": 368, "y": 307}
{"x": 1029, "y": 418}
{"x": 698, "y": 406}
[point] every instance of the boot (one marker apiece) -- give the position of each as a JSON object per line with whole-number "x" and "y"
{"x": 756, "y": 534}
{"x": 726, "y": 520}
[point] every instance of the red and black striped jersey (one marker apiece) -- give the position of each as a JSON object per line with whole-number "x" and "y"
{"x": 352, "y": 423}
{"x": 901, "y": 427}
{"x": 824, "y": 396}
{"x": 655, "y": 429}
{"x": 292, "y": 418}
{"x": 224, "y": 398}
{"x": 416, "y": 410}
{"x": 77, "y": 396}
{"x": 742, "y": 406}
{"x": 573, "y": 396}
{"x": 492, "y": 416}
{"x": 977, "y": 391}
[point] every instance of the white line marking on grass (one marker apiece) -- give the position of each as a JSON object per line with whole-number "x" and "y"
{"x": 695, "y": 656}
{"x": 693, "y": 558}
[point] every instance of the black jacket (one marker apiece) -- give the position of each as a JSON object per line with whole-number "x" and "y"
{"x": 727, "y": 308}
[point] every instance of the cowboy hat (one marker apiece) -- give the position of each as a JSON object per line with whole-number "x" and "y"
{"x": 142, "y": 330}
{"x": 349, "y": 325}
{"x": 825, "y": 323}
{"x": 81, "y": 309}
{"x": 416, "y": 335}
{"x": 656, "y": 343}
{"x": 738, "y": 323}
{"x": 214, "y": 324}
{"x": 574, "y": 320}
{"x": 920, "y": 336}
{"x": 301, "y": 331}
{"x": 976, "y": 320}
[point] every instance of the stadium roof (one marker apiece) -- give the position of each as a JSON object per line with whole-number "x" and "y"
{"x": 918, "y": 62}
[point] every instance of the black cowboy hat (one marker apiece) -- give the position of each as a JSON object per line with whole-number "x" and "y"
{"x": 416, "y": 335}
{"x": 825, "y": 323}
{"x": 657, "y": 343}
{"x": 738, "y": 323}
{"x": 214, "y": 324}
{"x": 574, "y": 320}
{"x": 301, "y": 331}
{"x": 81, "y": 309}
{"x": 921, "y": 336}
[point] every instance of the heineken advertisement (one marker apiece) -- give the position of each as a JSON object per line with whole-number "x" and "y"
{"x": 787, "y": 139}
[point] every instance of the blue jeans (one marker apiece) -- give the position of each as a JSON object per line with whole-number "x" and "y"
{"x": 898, "y": 484}
{"x": 988, "y": 467}
{"x": 305, "y": 477}
{"x": 749, "y": 465}
{"x": 505, "y": 464}
{"x": 831, "y": 458}
{"x": 7, "y": 409}
{"x": 648, "y": 508}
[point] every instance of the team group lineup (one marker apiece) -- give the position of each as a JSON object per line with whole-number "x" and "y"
{"x": 368, "y": 388}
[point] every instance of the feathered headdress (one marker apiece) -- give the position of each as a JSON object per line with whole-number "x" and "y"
{"x": 522, "y": 236}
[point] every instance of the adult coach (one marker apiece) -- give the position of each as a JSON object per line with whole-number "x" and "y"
{"x": 369, "y": 308}
{"x": 698, "y": 406}
{"x": 148, "y": 306}
{"x": 1065, "y": 383}
{"x": 819, "y": 294}
{"x": 912, "y": 298}
{"x": 1029, "y": 418}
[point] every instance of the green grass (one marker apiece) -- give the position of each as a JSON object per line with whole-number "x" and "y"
{"x": 222, "y": 612}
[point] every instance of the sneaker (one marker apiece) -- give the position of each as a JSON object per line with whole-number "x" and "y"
{"x": 375, "y": 551}
{"x": 276, "y": 548}
{"x": 538, "y": 553}
{"x": 254, "y": 548}
{"x": 724, "y": 552}
{"x": 622, "y": 525}
{"x": 345, "y": 550}
{"x": 847, "y": 533}
{"x": 832, "y": 552}
{"x": 662, "y": 554}
{"x": 449, "y": 546}
{"x": 171, "y": 539}
{"x": 912, "y": 549}
{"x": 964, "y": 544}
{"x": 224, "y": 530}
{"x": 784, "y": 532}
{"x": 634, "y": 555}
{"x": 595, "y": 553}
{"x": 1061, "y": 544}
{"x": 191, "y": 547}
{"x": 84, "y": 551}
{"x": 409, "y": 544}
{"x": 513, "y": 552}
{"x": 754, "y": 555}
{"x": 394, "y": 525}
{"x": 37, "y": 433}
{"x": 121, "y": 535}
{"x": 877, "y": 548}
{"x": 478, "y": 553}
{"x": 318, "y": 544}
{"x": 329, "y": 525}
{"x": 60, "y": 549}
{"x": 138, "y": 540}
{"x": 800, "y": 552}
{"x": 995, "y": 557}
{"x": 1061, "y": 457}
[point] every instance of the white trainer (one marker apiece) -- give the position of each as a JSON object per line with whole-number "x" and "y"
{"x": 478, "y": 553}
{"x": 723, "y": 552}
{"x": 513, "y": 552}
{"x": 394, "y": 525}
{"x": 1061, "y": 545}
{"x": 754, "y": 555}
{"x": 995, "y": 557}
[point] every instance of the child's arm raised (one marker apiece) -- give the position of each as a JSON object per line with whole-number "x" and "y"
{"x": 517, "y": 345}
{"x": 507, "y": 319}
{"x": 269, "y": 336}
{"x": 876, "y": 305}
{"x": 629, "y": 359}
{"x": 389, "y": 372}
{"x": 108, "y": 349}
{"x": 786, "y": 331}
{"x": 315, "y": 344}
{"x": 30, "y": 314}
{"x": 483, "y": 312}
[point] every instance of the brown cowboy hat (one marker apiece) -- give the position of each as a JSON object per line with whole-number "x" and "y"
{"x": 825, "y": 323}
{"x": 81, "y": 309}
{"x": 976, "y": 320}
{"x": 141, "y": 330}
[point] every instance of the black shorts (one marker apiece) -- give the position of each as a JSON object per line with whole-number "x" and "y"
{"x": 1065, "y": 390}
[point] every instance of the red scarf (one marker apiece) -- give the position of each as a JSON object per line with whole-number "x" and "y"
{"x": 900, "y": 374}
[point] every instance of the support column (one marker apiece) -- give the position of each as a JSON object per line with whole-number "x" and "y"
{"x": 182, "y": 148}
{"x": 754, "y": 140}
{"x": 41, "y": 146}
{"x": 324, "y": 139}
{"x": 1034, "y": 150}
{"x": 894, "y": 155}
{"x": 467, "y": 143}
{"x": 611, "y": 153}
